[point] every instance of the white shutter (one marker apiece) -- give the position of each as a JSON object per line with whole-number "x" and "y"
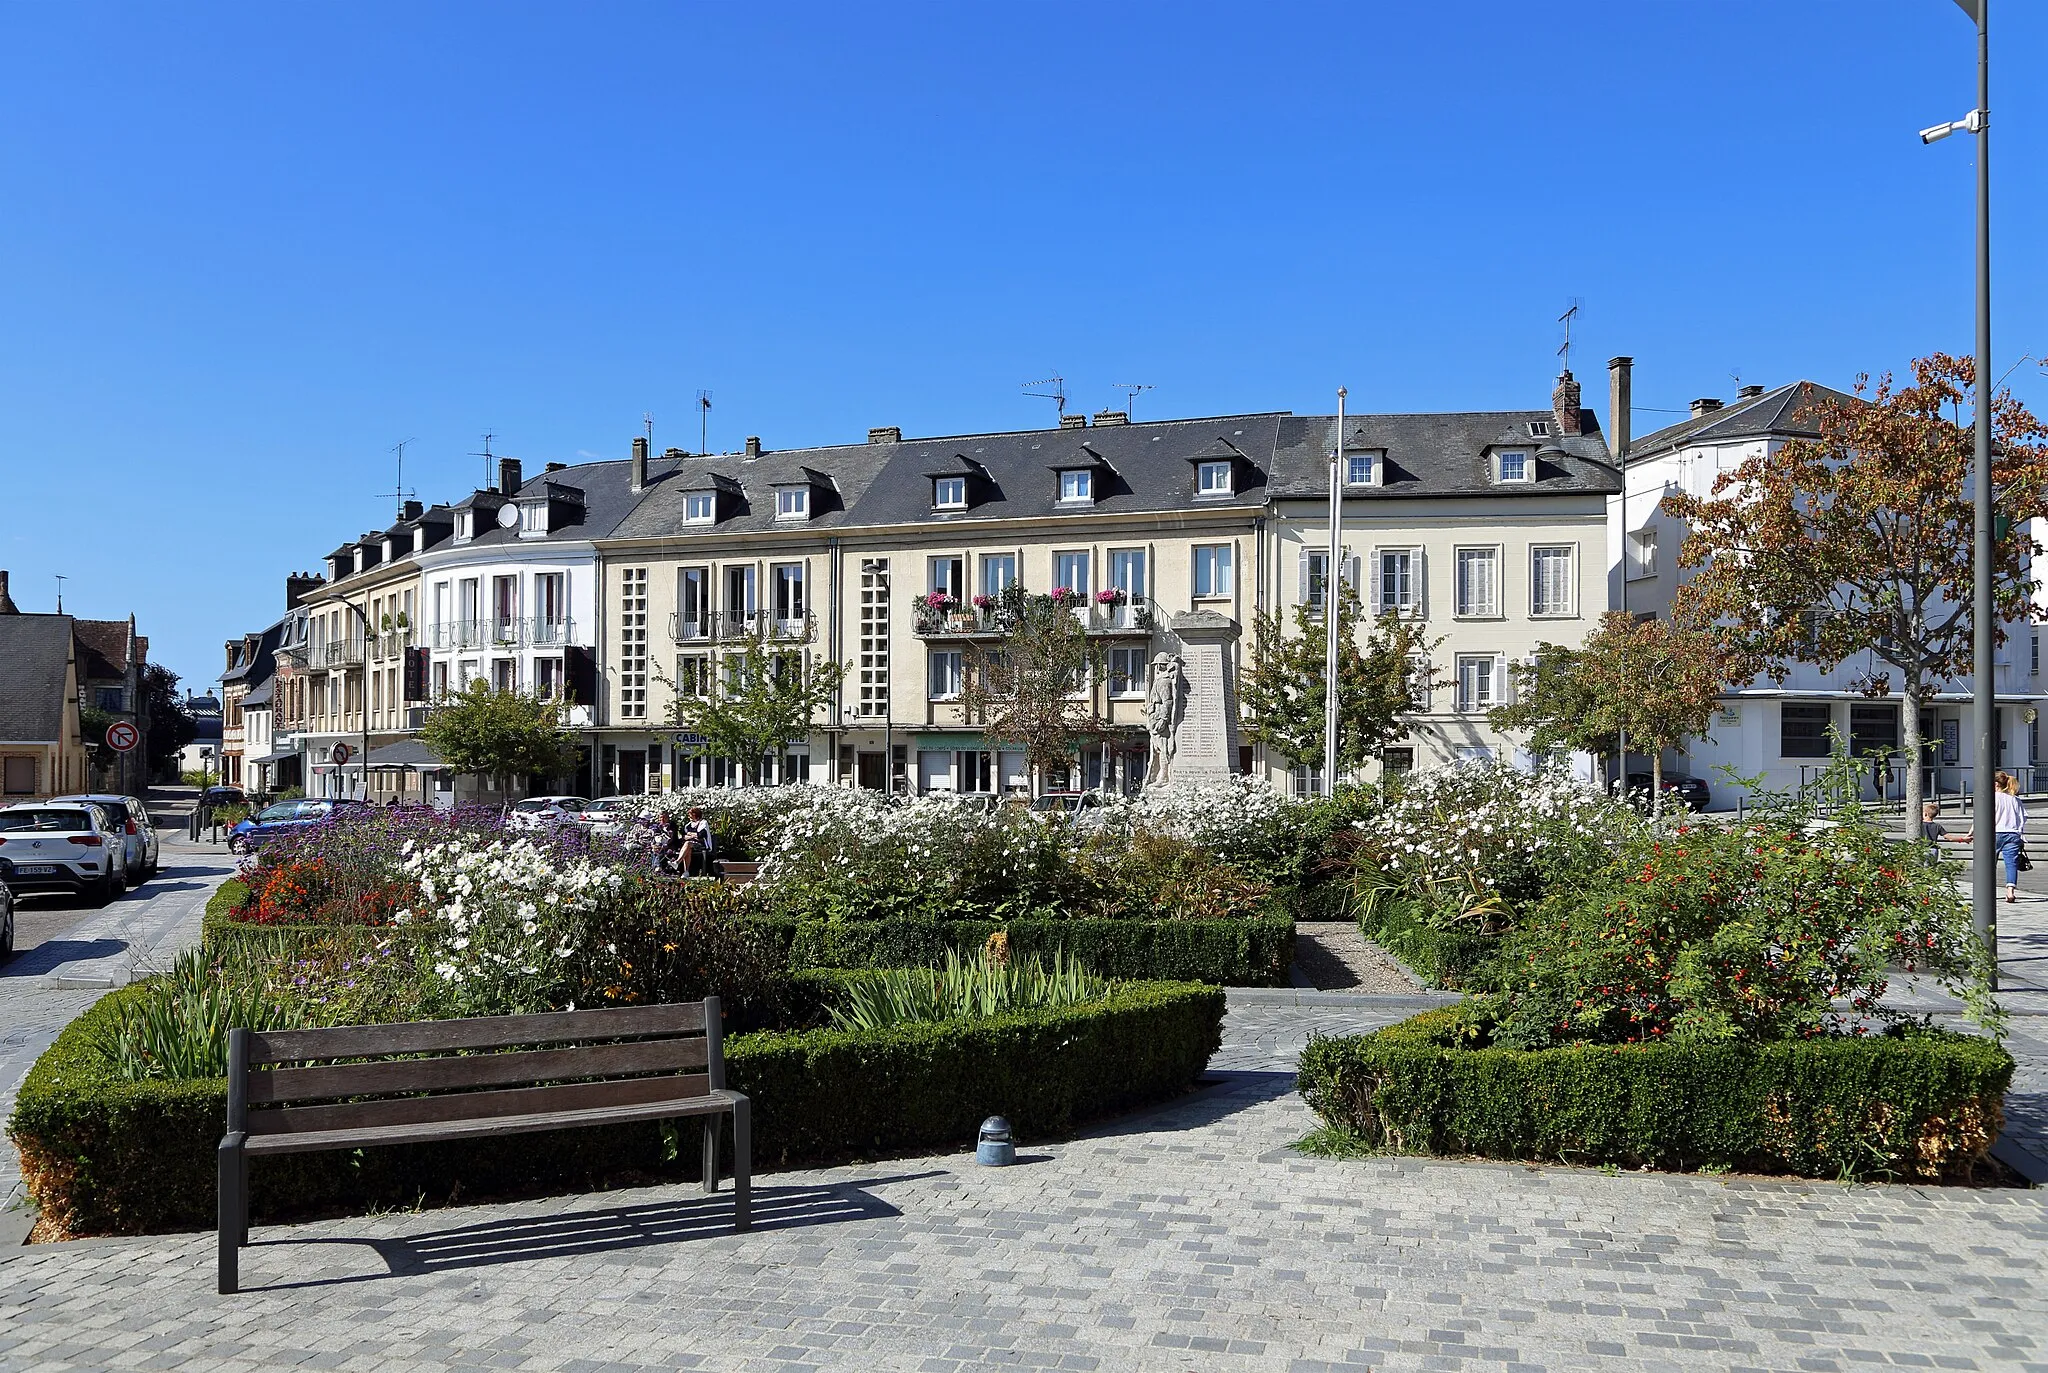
{"x": 1301, "y": 588}
{"x": 1503, "y": 684}
{"x": 1353, "y": 572}
{"x": 1374, "y": 596}
{"x": 1418, "y": 573}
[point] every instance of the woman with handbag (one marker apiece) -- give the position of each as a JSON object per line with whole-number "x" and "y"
{"x": 2010, "y": 828}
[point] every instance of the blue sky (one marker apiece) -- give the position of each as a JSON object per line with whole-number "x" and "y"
{"x": 245, "y": 250}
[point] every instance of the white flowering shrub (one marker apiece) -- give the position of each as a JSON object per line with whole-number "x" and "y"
{"x": 502, "y": 918}
{"x": 1480, "y": 842}
{"x": 1233, "y": 816}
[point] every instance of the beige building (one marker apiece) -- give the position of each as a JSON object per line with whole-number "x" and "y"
{"x": 42, "y": 752}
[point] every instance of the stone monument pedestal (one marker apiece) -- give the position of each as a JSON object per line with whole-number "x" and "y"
{"x": 1205, "y": 740}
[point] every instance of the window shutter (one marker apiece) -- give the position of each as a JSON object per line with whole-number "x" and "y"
{"x": 1503, "y": 682}
{"x": 1301, "y": 590}
{"x": 1353, "y": 572}
{"x": 1374, "y": 598}
{"x": 1418, "y": 581}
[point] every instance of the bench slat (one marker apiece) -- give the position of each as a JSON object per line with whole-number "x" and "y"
{"x": 486, "y": 1032}
{"x": 564, "y": 1099}
{"x": 477, "y": 1070}
{"x": 309, "y": 1141}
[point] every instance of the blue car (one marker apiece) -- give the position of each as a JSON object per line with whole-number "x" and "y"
{"x": 249, "y": 835}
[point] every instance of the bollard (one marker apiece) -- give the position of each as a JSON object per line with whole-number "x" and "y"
{"x": 995, "y": 1148}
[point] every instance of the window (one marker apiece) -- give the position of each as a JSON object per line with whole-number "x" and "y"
{"x": 1212, "y": 571}
{"x": 2034, "y": 654}
{"x": 1305, "y": 780}
{"x": 1077, "y": 486}
{"x": 998, "y": 573}
{"x": 1553, "y": 589}
{"x": 1803, "y": 729}
{"x": 440, "y": 614}
{"x": 110, "y": 698}
{"x": 949, "y": 493}
{"x": 550, "y": 608}
{"x": 465, "y": 526}
{"x": 465, "y": 673}
{"x": 1128, "y": 672}
{"x": 693, "y": 674}
{"x": 874, "y": 637}
{"x": 1513, "y": 464}
{"x": 786, "y": 671}
{"x": 1213, "y": 478}
{"x": 505, "y": 674}
{"x": 1398, "y": 760}
{"x": 788, "y": 582}
{"x": 693, "y": 602}
{"x": 947, "y": 577}
{"x": 974, "y": 771}
{"x": 739, "y": 596}
{"x": 469, "y": 597}
{"x": 946, "y": 669}
{"x": 1873, "y": 729}
{"x": 548, "y": 679}
{"x": 1315, "y": 578}
{"x": 1478, "y": 683}
{"x": 1478, "y": 582}
{"x": 533, "y": 518}
{"x": 440, "y": 680}
{"x": 1127, "y": 574}
{"x": 1070, "y": 570}
{"x": 1358, "y": 469}
{"x": 1539, "y": 429}
{"x": 20, "y": 777}
{"x": 700, "y": 507}
{"x": 633, "y": 643}
{"x": 1642, "y": 554}
{"x": 1418, "y": 680}
{"x": 792, "y": 502}
{"x": 504, "y": 609}
{"x": 1395, "y": 569}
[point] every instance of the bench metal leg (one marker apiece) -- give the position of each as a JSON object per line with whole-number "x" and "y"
{"x": 233, "y": 1205}
{"x": 711, "y": 1153}
{"x": 742, "y": 1164}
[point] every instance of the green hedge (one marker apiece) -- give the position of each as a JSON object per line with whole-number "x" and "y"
{"x": 103, "y": 1156}
{"x": 1923, "y": 1105}
{"x": 1442, "y": 958}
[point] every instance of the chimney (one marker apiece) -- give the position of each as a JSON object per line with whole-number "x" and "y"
{"x": 1564, "y": 405}
{"x": 509, "y": 476}
{"x": 1103, "y": 417}
{"x": 888, "y": 433}
{"x": 1749, "y": 393}
{"x": 753, "y": 447}
{"x": 412, "y": 510}
{"x": 639, "y": 482}
{"x": 1620, "y": 372}
{"x": 7, "y": 605}
{"x": 1073, "y": 421}
{"x": 234, "y": 649}
{"x": 298, "y": 586}
{"x": 1705, "y": 405}
{"x": 556, "y": 466}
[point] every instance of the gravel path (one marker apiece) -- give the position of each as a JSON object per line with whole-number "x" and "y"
{"x": 1331, "y": 955}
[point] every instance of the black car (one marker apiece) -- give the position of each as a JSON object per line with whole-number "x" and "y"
{"x": 1677, "y": 786}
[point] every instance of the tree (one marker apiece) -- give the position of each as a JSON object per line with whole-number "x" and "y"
{"x": 489, "y": 732}
{"x": 1657, "y": 680}
{"x": 1033, "y": 692}
{"x": 1380, "y": 682}
{"x": 764, "y": 701}
{"x": 1860, "y": 539}
{"x": 166, "y": 728}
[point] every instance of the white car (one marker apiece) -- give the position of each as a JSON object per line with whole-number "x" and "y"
{"x": 131, "y": 817}
{"x": 608, "y": 815}
{"x": 538, "y": 812}
{"x": 63, "y": 848}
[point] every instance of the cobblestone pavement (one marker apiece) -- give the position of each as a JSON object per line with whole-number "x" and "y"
{"x": 1188, "y": 1237}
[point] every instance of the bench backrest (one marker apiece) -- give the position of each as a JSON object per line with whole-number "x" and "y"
{"x": 439, "y": 1070}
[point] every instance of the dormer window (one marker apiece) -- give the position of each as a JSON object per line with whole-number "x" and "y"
{"x": 1361, "y": 469}
{"x": 949, "y": 493}
{"x": 465, "y": 525}
{"x": 792, "y": 502}
{"x": 1539, "y": 429}
{"x": 1213, "y": 479}
{"x": 533, "y": 519}
{"x": 1513, "y": 465}
{"x": 1077, "y": 487}
{"x": 700, "y": 507}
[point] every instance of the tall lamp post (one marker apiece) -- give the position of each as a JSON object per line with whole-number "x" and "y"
{"x": 1984, "y": 697}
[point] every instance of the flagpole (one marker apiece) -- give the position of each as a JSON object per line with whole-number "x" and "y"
{"x": 1332, "y": 583}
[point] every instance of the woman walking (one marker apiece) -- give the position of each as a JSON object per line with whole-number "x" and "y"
{"x": 2010, "y": 828}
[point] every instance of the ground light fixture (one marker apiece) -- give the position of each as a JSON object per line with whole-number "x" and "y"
{"x": 995, "y": 1148}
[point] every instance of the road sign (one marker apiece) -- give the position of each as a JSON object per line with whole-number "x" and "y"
{"x": 341, "y": 753}
{"x": 122, "y": 736}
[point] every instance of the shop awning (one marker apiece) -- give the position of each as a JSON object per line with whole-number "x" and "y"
{"x": 406, "y": 753}
{"x": 278, "y": 757}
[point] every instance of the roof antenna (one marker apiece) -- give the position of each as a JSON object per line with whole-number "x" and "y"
{"x": 1058, "y": 393}
{"x": 402, "y": 493}
{"x": 1131, "y": 390}
{"x": 490, "y": 473}
{"x": 61, "y": 579}
{"x": 647, "y": 420}
{"x": 1564, "y": 350}
{"x": 703, "y": 423}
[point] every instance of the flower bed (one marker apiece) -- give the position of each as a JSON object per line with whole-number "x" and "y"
{"x": 106, "y": 1156}
{"x": 1916, "y": 1105}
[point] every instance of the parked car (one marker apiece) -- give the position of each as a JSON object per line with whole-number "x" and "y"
{"x": 69, "y": 848}
{"x": 537, "y": 812}
{"x": 1070, "y": 807}
{"x": 6, "y": 909}
{"x": 284, "y": 817}
{"x": 980, "y": 802}
{"x": 132, "y": 818}
{"x": 222, "y": 796}
{"x": 1691, "y": 790}
{"x": 607, "y": 815}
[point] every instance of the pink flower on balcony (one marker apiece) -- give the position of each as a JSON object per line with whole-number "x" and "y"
{"x": 1108, "y": 596}
{"x": 984, "y": 602}
{"x": 938, "y": 600}
{"x": 1063, "y": 594}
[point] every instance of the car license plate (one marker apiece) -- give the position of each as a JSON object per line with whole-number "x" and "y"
{"x": 35, "y": 869}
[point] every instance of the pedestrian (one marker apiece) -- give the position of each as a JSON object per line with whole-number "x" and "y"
{"x": 698, "y": 844}
{"x": 1932, "y": 830}
{"x": 2010, "y": 828}
{"x": 670, "y": 850}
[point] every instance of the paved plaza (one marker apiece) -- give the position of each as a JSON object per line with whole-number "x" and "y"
{"x": 1187, "y": 1237}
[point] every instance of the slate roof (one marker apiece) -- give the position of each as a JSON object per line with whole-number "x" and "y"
{"x": 1442, "y": 455}
{"x": 748, "y": 487}
{"x": 260, "y": 696}
{"x": 36, "y": 649}
{"x": 1784, "y": 412}
{"x": 102, "y": 649}
{"x": 608, "y": 498}
{"x": 259, "y": 665}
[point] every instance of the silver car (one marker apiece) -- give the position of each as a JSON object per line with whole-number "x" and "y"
{"x": 131, "y": 817}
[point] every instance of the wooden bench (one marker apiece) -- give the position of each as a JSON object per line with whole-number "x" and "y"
{"x": 455, "y": 1079}
{"x": 734, "y": 871}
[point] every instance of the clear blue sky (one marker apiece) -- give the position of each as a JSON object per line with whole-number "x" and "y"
{"x": 245, "y": 250}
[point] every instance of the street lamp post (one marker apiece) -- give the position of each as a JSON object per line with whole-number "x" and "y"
{"x": 1984, "y": 697}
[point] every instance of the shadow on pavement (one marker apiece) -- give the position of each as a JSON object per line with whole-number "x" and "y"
{"x": 1217, "y": 1096}
{"x": 521, "y": 1239}
{"x": 52, "y": 954}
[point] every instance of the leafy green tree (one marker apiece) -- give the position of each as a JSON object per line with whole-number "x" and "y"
{"x": 1554, "y": 704}
{"x": 1860, "y": 539}
{"x": 767, "y": 698}
{"x": 1034, "y": 692}
{"x": 168, "y": 728}
{"x": 1381, "y": 678}
{"x": 488, "y": 732}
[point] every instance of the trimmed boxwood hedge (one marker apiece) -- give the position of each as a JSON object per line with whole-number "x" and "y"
{"x": 1921, "y": 1105}
{"x": 103, "y": 1156}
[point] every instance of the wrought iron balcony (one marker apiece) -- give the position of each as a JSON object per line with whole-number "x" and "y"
{"x": 731, "y": 626}
{"x": 546, "y": 633}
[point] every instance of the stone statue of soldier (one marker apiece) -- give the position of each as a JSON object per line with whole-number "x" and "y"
{"x": 1162, "y": 717}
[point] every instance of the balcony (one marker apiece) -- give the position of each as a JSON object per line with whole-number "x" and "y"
{"x": 545, "y": 633}
{"x": 1130, "y": 615}
{"x": 343, "y": 654}
{"x": 730, "y": 627}
{"x": 1136, "y": 615}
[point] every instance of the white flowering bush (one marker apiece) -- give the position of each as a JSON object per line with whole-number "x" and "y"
{"x": 502, "y": 919}
{"x": 1234, "y": 816}
{"x": 1478, "y": 843}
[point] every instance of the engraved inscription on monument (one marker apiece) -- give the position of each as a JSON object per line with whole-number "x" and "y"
{"x": 1205, "y": 739}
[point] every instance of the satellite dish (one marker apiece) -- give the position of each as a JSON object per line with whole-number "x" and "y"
{"x": 508, "y": 516}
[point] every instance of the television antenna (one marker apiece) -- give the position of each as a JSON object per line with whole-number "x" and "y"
{"x": 401, "y": 493}
{"x": 1131, "y": 390}
{"x": 1564, "y": 350}
{"x": 703, "y": 423}
{"x": 61, "y": 579}
{"x": 490, "y": 473}
{"x": 1057, "y": 395}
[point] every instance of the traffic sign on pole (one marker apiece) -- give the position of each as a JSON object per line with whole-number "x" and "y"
{"x": 122, "y": 736}
{"x": 341, "y": 753}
